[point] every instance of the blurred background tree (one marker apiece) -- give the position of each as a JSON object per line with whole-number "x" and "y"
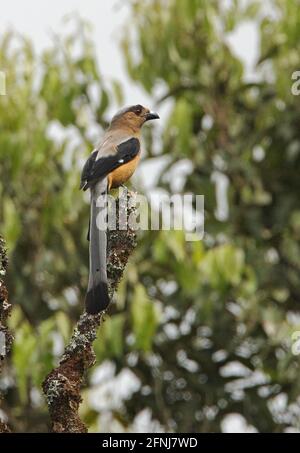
{"x": 200, "y": 331}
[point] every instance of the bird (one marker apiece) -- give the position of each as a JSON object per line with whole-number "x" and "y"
{"x": 109, "y": 166}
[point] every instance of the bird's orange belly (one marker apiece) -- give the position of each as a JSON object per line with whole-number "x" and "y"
{"x": 122, "y": 173}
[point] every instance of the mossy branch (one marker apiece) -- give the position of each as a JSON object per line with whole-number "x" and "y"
{"x": 63, "y": 384}
{"x": 6, "y": 337}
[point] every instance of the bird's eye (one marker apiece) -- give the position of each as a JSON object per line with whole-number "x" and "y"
{"x": 138, "y": 109}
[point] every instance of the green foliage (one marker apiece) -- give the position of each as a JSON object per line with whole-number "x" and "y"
{"x": 222, "y": 266}
{"x": 145, "y": 317}
{"x": 33, "y": 352}
{"x": 111, "y": 342}
{"x": 45, "y": 136}
{"x": 233, "y": 299}
{"x": 206, "y": 327}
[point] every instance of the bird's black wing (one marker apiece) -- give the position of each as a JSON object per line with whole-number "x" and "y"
{"x": 88, "y": 166}
{"x": 101, "y": 167}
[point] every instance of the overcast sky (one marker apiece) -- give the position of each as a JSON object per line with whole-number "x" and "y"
{"x": 38, "y": 19}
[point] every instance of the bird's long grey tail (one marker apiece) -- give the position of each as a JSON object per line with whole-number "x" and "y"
{"x": 97, "y": 298}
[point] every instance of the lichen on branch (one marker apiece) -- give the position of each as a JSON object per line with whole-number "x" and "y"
{"x": 6, "y": 337}
{"x": 63, "y": 384}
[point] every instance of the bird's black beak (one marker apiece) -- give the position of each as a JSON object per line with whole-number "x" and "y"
{"x": 152, "y": 116}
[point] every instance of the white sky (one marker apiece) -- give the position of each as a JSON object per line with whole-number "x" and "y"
{"x": 38, "y": 19}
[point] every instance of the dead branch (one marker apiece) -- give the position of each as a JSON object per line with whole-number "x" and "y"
{"x": 63, "y": 384}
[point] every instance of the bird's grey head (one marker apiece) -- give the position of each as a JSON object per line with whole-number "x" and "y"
{"x": 134, "y": 116}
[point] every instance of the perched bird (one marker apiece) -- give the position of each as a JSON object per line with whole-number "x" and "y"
{"x": 109, "y": 166}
